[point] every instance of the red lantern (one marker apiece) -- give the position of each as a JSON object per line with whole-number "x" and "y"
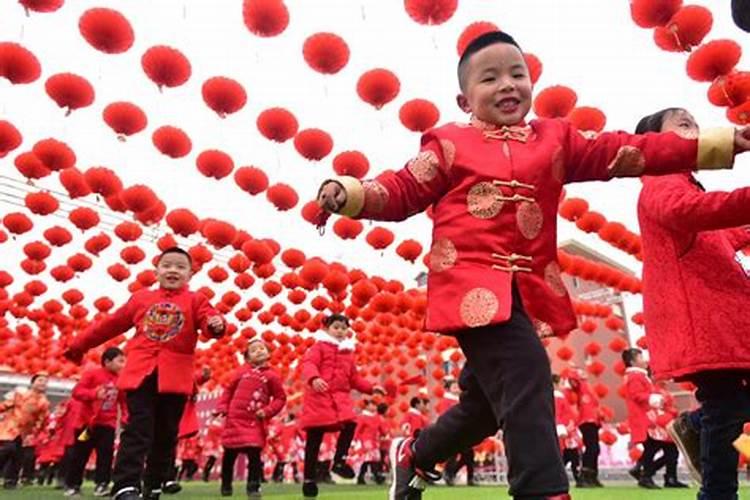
{"x": 183, "y": 222}
{"x": 589, "y": 326}
{"x": 171, "y": 141}
{"x": 618, "y": 344}
{"x": 124, "y": 118}
{"x": 312, "y": 212}
{"x": 591, "y": 222}
{"x": 118, "y": 272}
{"x": 36, "y": 250}
{"x": 351, "y": 163}
{"x": 62, "y": 274}
{"x": 10, "y": 138}
{"x": 218, "y": 274}
{"x": 685, "y": 30}
{"x": 573, "y": 208}
{"x": 69, "y": 91}
{"x": 96, "y": 244}
{"x": 54, "y": 154}
{"x": 313, "y": 144}
{"x": 106, "y": 30}
{"x": 713, "y": 59}
{"x": 41, "y": 203}
{"x": 224, "y": 95}
{"x": 282, "y": 196}
{"x": 138, "y": 198}
{"x": 596, "y": 368}
{"x": 472, "y": 32}
{"x": 336, "y": 282}
{"x": 565, "y": 353}
{"x": 257, "y": 251}
{"x": 215, "y": 164}
{"x": 41, "y": 5}
{"x": 74, "y": 183}
{"x": 588, "y": 119}
{"x": 103, "y": 181}
{"x": 313, "y": 271}
{"x": 347, "y": 229}
{"x": 128, "y": 231}
{"x": 265, "y": 18}
{"x": 418, "y": 115}
{"x": 251, "y": 180}
{"x": 80, "y": 262}
{"x": 166, "y": 66}
{"x": 103, "y": 304}
{"x": 739, "y": 115}
{"x": 219, "y": 233}
{"x": 30, "y": 167}
{"x": 271, "y": 288}
{"x": 58, "y": 236}
{"x": 607, "y": 437}
{"x": 277, "y": 124}
{"x": 653, "y": 13}
{"x": 555, "y": 102}
{"x": 17, "y": 223}
{"x": 409, "y": 250}
{"x": 17, "y": 64}
{"x": 592, "y": 349}
{"x": 534, "y": 65}
{"x": 379, "y": 238}
{"x": 326, "y": 53}
{"x": 293, "y": 258}
{"x": 378, "y": 87}
{"x": 430, "y": 12}
{"x": 132, "y": 255}
{"x": 84, "y": 218}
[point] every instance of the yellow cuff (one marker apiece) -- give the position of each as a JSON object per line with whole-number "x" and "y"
{"x": 742, "y": 445}
{"x": 355, "y": 195}
{"x": 716, "y": 149}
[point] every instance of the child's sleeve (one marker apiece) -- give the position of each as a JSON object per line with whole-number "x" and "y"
{"x": 638, "y": 391}
{"x": 110, "y": 327}
{"x": 310, "y": 364}
{"x": 226, "y": 397}
{"x": 675, "y": 203}
{"x": 739, "y": 237}
{"x": 278, "y": 397}
{"x": 203, "y": 311}
{"x": 619, "y": 154}
{"x": 359, "y": 382}
{"x": 85, "y": 389}
{"x": 395, "y": 196}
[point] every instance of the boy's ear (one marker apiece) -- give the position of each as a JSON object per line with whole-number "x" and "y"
{"x": 463, "y": 103}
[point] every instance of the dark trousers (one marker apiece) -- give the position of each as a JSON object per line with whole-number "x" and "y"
{"x": 590, "y": 457}
{"x": 314, "y": 440}
{"x": 668, "y": 459}
{"x": 11, "y": 455}
{"x": 465, "y": 458}
{"x": 506, "y": 383}
{"x": 46, "y": 473}
{"x": 208, "y": 468}
{"x": 64, "y": 465}
{"x": 725, "y": 401}
{"x": 254, "y": 467}
{"x": 151, "y": 431}
{"x": 188, "y": 470}
{"x": 28, "y": 464}
{"x": 100, "y": 438}
{"x": 573, "y": 457}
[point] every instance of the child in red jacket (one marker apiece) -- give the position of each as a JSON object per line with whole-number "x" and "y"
{"x": 367, "y": 438}
{"x": 253, "y": 397}
{"x": 567, "y": 432}
{"x": 330, "y": 374}
{"x": 160, "y": 353}
{"x": 96, "y": 423}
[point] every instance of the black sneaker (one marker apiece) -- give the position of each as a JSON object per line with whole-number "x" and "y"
{"x": 171, "y": 488}
{"x": 343, "y": 471}
{"x": 361, "y": 481}
{"x": 72, "y": 492}
{"x": 152, "y": 494}
{"x": 253, "y": 491}
{"x": 635, "y": 473}
{"x": 689, "y": 443}
{"x": 310, "y": 489}
{"x": 673, "y": 482}
{"x": 101, "y": 490}
{"x": 648, "y": 483}
{"x": 226, "y": 492}
{"x": 407, "y": 482}
{"x": 127, "y": 493}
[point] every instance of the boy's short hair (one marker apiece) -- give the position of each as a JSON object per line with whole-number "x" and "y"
{"x": 382, "y": 409}
{"x": 176, "y": 250}
{"x": 478, "y": 44}
{"x": 629, "y": 355}
{"x": 111, "y": 353}
{"x": 37, "y": 375}
{"x": 329, "y": 320}
{"x": 415, "y": 401}
{"x": 555, "y": 378}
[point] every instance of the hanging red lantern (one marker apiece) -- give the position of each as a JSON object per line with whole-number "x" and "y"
{"x": 30, "y": 167}
{"x": 62, "y": 274}
{"x": 313, "y": 144}
{"x": 166, "y": 66}
{"x": 591, "y": 222}
{"x": 607, "y": 437}
{"x": 103, "y": 304}
{"x": 132, "y": 255}
{"x": 128, "y": 231}
{"x": 200, "y": 254}
{"x": 84, "y": 218}
{"x": 214, "y": 164}
{"x": 277, "y": 124}
{"x": 739, "y": 115}
{"x": 653, "y": 13}
{"x": 472, "y": 32}
{"x": 44, "y": 6}
{"x": 171, "y": 141}
{"x": 265, "y": 18}
{"x": 418, "y": 115}
{"x": 326, "y": 53}
{"x": 685, "y": 30}
{"x": 41, "y": 203}
{"x": 293, "y": 258}
{"x": 535, "y": 66}
{"x": 17, "y": 64}
{"x": 351, "y": 163}
{"x": 219, "y": 233}
{"x": 251, "y": 179}
{"x": 565, "y": 353}
{"x": 10, "y": 138}
{"x": 618, "y": 344}
{"x": 58, "y": 236}
{"x": 69, "y": 91}
{"x": 592, "y": 349}
{"x": 573, "y": 208}
{"x": 17, "y": 223}
{"x": 80, "y": 262}
{"x": 730, "y": 90}
{"x": 347, "y": 229}
{"x": 713, "y": 59}
{"x": 589, "y": 326}
{"x": 36, "y": 250}
{"x": 336, "y": 282}
{"x": 33, "y": 267}
{"x": 244, "y": 281}
{"x": 379, "y": 238}
{"x": 555, "y": 102}
{"x": 223, "y": 95}
{"x": 257, "y": 251}
{"x": 138, "y": 198}
{"x": 54, "y": 154}
{"x": 271, "y": 288}
{"x": 378, "y": 87}
{"x": 588, "y": 119}
{"x": 124, "y": 118}
{"x": 183, "y": 222}
{"x": 103, "y": 181}
{"x": 430, "y": 12}
{"x": 239, "y": 263}
{"x": 312, "y": 212}
{"x": 106, "y": 30}
{"x": 313, "y": 271}
{"x": 97, "y": 244}
{"x": 218, "y": 274}
{"x": 282, "y": 196}
{"x": 118, "y": 272}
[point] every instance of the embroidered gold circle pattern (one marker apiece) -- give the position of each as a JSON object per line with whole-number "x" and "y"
{"x": 530, "y": 219}
{"x": 478, "y": 307}
{"x": 443, "y": 255}
{"x": 482, "y": 200}
{"x": 554, "y": 280}
{"x": 425, "y": 166}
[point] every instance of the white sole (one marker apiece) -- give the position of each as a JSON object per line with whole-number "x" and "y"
{"x": 392, "y": 455}
{"x": 676, "y": 438}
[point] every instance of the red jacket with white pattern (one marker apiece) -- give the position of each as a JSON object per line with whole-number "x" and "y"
{"x": 96, "y": 411}
{"x": 166, "y": 330}
{"x": 414, "y": 421}
{"x": 641, "y": 396}
{"x": 495, "y": 193}
{"x": 695, "y": 294}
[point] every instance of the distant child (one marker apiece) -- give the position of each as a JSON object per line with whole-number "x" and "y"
{"x": 567, "y": 431}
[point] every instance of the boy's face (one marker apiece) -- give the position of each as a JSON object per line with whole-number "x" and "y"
{"x": 40, "y": 384}
{"x": 257, "y": 353}
{"x": 173, "y": 271}
{"x": 497, "y": 86}
{"x": 454, "y": 388}
{"x": 681, "y": 123}
{"x": 337, "y": 330}
{"x": 640, "y": 362}
{"x": 115, "y": 364}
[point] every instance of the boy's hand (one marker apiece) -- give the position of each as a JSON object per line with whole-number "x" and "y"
{"x": 74, "y": 355}
{"x": 260, "y": 414}
{"x": 331, "y": 197}
{"x": 216, "y": 325}
{"x": 101, "y": 393}
{"x": 742, "y": 140}
{"x": 319, "y": 385}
